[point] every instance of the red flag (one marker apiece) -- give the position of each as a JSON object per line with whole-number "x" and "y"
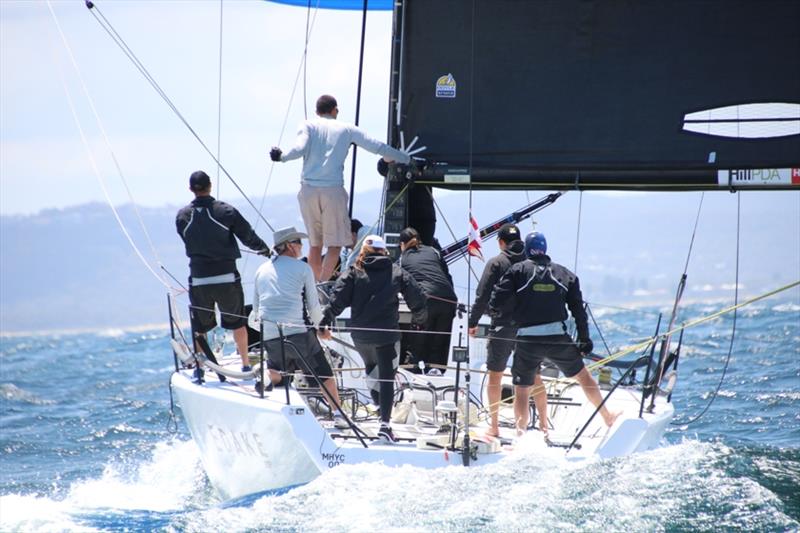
{"x": 474, "y": 246}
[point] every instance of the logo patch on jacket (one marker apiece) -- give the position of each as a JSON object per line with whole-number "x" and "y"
{"x": 543, "y": 287}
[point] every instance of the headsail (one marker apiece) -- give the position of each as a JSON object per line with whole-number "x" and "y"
{"x": 601, "y": 95}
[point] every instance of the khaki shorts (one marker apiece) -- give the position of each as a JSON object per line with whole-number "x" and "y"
{"x": 324, "y": 211}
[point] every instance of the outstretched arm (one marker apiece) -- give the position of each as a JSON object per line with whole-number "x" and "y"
{"x": 245, "y": 233}
{"x": 377, "y": 147}
{"x": 300, "y": 145}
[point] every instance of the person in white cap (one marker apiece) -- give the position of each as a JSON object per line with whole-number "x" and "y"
{"x": 284, "y": 288}
{"x": 370, "y": 288}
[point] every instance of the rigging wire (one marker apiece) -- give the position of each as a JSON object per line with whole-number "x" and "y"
{"x": 219, "y": 102}
{"x": 733, "y": 328}
{"x": 110, "y": 148}
{"x": 300, "y": 70}
{"x": 120, "y": 42}
{"x": 358, "y": 107}
{"x": 450, "y": 229}
{"x": 578, "y": 231}
{"x": 305, "y": 63}
{"x": 679, "y": 294}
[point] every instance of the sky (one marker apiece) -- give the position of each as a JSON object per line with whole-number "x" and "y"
{"x": 256, "y": 103}
{"x": 43, "y": 161}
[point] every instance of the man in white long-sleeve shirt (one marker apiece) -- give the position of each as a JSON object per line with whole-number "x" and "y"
{"x": 323, "y": 144}
{"x": 284, "y": 287}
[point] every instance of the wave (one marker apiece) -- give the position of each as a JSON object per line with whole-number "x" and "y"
{"x": 151, "y": 492}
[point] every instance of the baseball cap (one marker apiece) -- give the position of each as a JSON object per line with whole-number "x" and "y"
{"x": 374, "y": 241}
{"x": 508, "y": 233}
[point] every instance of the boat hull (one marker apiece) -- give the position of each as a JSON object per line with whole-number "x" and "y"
{"x": 246, "y": 444}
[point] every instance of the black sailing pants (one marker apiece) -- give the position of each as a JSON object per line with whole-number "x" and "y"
{"x": 384, "y": 358}
{"x": 433, "y": 349}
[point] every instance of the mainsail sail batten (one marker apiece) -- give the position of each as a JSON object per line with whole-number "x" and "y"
{"x": 605, "y": 94}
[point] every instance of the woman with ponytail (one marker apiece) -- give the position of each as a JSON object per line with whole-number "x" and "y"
{"x": 370, "y": 289}
{"x": 426, "y": 265}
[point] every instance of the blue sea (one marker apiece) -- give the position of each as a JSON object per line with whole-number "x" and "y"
{"x": 88, "y": 444}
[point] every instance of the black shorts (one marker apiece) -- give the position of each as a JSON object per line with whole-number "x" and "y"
{"x": 313, "y": 356}
{"x": 499, "y": 347}
{"x": 230, "y": 299}
{"x": 531, "y": 351}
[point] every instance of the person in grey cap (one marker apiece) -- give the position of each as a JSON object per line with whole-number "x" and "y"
{"x": 284, "y": 289}
{"x": 209, "y": 229}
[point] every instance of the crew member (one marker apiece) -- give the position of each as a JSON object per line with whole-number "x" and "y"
{"x": 370, "y": 287}
{"x": 429, "y": 269}
{"x": 209, "y": 229}
{"x": 502, "y": 331}
{"x": 323, "y": 144}
{"x": 284, "y": 288}
{"x": 534, "y": 294}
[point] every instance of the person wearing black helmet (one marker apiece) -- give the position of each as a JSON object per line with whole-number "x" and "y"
{"x": 502, "y": 332}
{"x": 536, "y": 294}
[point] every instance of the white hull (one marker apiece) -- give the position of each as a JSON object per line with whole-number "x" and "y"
{"x": 250, "y": 445}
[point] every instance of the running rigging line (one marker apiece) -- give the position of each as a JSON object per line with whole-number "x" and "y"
{"x": 219, "y": 102}
{"x": 110, "y": 149}
{"x": 120, "y": 42}
{"x": 733, "y": 327}
{"x": 300, "y": 70}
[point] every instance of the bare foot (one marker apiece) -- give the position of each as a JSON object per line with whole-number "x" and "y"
{"x": 610, "y": 417}
{"x": 543, "y": 428}
{"x": 492, "y": 432}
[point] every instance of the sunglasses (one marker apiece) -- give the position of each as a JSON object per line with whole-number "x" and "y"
{"x": 296, "y": 241}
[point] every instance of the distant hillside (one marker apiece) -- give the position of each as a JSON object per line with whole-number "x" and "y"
{"x": 73, "y": 268}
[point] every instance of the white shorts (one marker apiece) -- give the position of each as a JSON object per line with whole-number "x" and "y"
{"x": 324, "y": 211}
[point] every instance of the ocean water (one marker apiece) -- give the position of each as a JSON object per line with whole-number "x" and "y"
{"x": 88, "y": 444}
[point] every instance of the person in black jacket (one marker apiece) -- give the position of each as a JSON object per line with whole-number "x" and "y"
{"x": 370, "y": 288}
{"x": 209, "y": 229}
{"x": 502, "y": 332}
{"x": 534, "y": 294}
{"x": 426, "y": 265}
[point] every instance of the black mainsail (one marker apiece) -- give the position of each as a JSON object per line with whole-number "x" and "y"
{"x": 591, "y": 94}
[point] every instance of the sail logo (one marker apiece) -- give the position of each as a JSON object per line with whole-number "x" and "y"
{"x": 759, "y": 176}
{"x": 746, "y": 121}
{"x": 446, "y": 87}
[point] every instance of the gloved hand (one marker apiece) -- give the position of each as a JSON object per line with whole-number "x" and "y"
{"x": 383, "y": 167}
{"x": 585, "y": 346}
{"x": 266, "y": 252}
{"x": 275, "y": 154}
